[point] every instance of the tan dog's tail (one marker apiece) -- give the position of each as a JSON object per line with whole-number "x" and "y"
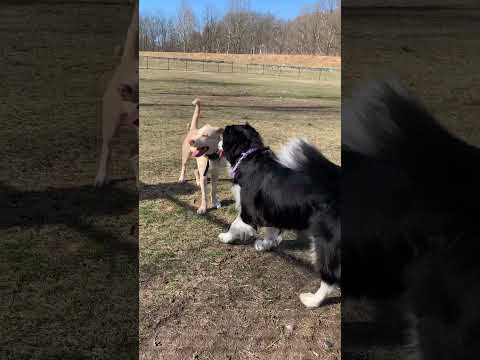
{"x": 196, "y": 114}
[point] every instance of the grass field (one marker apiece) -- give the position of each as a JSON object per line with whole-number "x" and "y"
{"x": 200, "y": 299}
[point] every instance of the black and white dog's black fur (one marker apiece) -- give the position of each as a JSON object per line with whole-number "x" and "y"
{"x": 298, "y": 190}
{"x": 410, "y": 217}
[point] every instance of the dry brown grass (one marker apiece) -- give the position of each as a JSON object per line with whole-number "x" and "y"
{"x": 273, "y": 59}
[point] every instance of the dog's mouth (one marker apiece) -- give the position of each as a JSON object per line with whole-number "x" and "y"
{"x": 197, "y": 152}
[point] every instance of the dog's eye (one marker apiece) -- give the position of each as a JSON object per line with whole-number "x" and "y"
{"x": 205, "y": 135}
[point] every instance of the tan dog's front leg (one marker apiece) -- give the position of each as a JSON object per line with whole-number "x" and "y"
{"x": 214, "y": 178}
{"x": 197, "y": 177}
{"x": 203, "y": 187}
{"x": 202, "y": 163}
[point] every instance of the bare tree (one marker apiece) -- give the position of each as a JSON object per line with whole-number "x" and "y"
{"x": 211, "y": 30}
{"x": 185, "y": 24}
{"x": 316, "y": 31}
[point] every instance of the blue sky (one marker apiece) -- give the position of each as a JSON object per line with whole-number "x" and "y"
{"x": 285, "y": 9}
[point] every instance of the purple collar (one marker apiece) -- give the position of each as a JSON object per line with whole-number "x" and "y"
{"x": 233, "y": 171}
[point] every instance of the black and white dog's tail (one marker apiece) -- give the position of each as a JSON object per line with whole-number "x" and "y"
{"x": 301, "y": 156}
{"x": 387, "y": 123}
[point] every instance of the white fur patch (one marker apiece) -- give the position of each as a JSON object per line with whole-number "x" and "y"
{"x": 238, "y": 229}
{"x": 272, "y": 240}
{"x": 291, "y": 155}
{"x": 314, "y": 300}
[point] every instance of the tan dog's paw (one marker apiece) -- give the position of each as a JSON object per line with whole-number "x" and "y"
{"x": 196, "y": 101}
{"x": 182, "y": 180}
{"x": 201, "y": 211}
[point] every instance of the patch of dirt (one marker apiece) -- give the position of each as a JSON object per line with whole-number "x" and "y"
{"x": 227, "y": 313}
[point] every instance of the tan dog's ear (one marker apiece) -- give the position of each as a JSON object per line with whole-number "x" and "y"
{"x": 219, "y": 131}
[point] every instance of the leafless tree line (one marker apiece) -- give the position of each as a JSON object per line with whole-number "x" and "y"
{"x": 241, "y": 31}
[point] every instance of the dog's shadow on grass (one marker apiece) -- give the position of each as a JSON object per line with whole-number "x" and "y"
{"x": 170, "y": 192}
{"x": 162, "y": 190}
{"x": 171, "y": 189}
{"x": 72, "y": 206}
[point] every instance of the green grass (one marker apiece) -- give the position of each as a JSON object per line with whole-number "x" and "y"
{"x": 238, "y": 85}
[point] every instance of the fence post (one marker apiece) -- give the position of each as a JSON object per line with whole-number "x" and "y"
{"x": 263, "y": 72}
{"x": 203, "y": 66}
{"x": 218, "y": 67}
{"x": 147, "y": 62}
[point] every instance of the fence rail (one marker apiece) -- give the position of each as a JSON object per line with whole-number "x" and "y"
{"x": 218, "y": 66}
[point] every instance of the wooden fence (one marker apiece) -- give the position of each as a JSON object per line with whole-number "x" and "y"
{"x": 183, "y": 64}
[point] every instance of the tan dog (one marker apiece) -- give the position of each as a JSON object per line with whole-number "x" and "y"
{"x": 202, "y": 144}
{"x": 116, "y": 106}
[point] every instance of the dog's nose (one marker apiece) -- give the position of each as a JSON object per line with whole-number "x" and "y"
{"x": 191, "y": 142}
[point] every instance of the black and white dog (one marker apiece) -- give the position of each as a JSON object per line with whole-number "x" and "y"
{"x": 410, "y": 217}
{"x": 298, "y": 190}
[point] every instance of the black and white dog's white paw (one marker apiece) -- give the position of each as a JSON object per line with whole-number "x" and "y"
{"x": 310, "y": 300}
{"x": 267, "y": 244}
{"x": 216, "y": 204}
{"x": 226, "y": 238}
{"x": 272, "y": 239}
